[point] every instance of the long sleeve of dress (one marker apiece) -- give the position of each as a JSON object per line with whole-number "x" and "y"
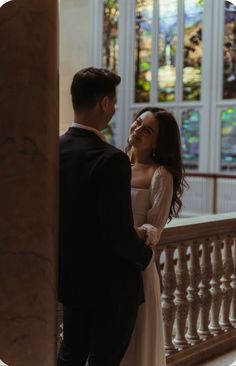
{"x": 161, "y": 192}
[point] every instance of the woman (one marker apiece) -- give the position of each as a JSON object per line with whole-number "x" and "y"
{"x": 157, "y": 186}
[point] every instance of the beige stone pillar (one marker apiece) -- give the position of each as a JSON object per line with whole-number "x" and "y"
{"x": 28, "y": 181}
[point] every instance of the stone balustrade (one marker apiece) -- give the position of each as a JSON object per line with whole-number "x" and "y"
{"x": 196, "y": 260}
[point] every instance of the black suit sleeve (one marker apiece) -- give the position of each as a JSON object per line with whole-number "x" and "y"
{"x": 115, "y": 212}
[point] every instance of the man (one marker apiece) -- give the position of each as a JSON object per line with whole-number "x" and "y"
{"x": 101, "y": 256}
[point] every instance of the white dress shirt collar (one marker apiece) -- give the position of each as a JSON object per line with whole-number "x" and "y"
{"x": 98, "y": 133}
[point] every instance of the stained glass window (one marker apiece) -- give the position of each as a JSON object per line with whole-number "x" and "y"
{"x": 168, "y": 16}
{"x": 110, "y": 35}
{"x": 228, "y": 139}
{"x": 190, "y": 138}
{"x": 229, "y": 83}
{"x": 143, "y": 39}
{"x": 109, "y": 131}
{"x": 193, "y": 48}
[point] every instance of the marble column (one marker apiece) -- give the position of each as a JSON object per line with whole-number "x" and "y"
{"x": 28, "y": 181}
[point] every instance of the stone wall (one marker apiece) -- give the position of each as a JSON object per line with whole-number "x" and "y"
{"x": 74, "y": 51}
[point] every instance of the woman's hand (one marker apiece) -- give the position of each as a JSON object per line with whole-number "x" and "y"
{"x": 141, "y": 232}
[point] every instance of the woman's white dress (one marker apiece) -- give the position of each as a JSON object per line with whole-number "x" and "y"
{"x": 150, "y": 206}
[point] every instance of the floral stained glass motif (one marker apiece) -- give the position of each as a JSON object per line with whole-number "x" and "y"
{"x": 190, "y": 138}
{"x": 109, "y": 131}
{"x": 110, "y": 35}
{"x": 229, "y": 82}
{"x": 193, "y": 49}
{"x": 143, "y": 47}
{"x": 168, "y": 16}
{"x": 228, "y": 139}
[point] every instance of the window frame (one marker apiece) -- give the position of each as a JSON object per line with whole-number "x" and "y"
{"x": 211, "y": 103}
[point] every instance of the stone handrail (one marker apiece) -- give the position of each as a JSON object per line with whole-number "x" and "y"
{"x": 196, "y": 260}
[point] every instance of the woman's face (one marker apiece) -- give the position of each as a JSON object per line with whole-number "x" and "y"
{"x": 144, "y": 131}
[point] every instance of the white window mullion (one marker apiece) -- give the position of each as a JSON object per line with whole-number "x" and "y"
{"x": 220, "y": 48}
{"x": 130, "y": 74}
{"x": 219, "y": 89}
{"x": 216, "y": 90}
{"x": 127, "y": 68}
{"x": 179, "y": 53}
{"x": 122, "y": 89}
{"x": 154, "y": 57}
{"x": 206, "y": 80}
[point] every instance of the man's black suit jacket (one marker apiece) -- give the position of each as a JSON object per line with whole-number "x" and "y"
{"x": 101, "y": 257}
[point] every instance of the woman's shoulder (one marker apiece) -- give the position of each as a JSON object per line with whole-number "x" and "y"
{"x": 162, "y": 178}
{"x": 161, "y": 170}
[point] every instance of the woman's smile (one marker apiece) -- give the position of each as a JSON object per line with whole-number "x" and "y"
{"x": 135, "y": 137}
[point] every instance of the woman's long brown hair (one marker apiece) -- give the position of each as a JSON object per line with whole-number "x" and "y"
{"x": 168, "y": 154}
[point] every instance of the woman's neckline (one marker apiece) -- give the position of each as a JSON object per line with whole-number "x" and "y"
{"x": 141, "y": 189}
{"x": 148, "y": 189}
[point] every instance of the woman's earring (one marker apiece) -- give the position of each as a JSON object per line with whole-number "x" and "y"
{"x": 154, "y": 153}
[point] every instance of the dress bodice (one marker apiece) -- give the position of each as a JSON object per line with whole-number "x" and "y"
{"x": 151, "y": 206}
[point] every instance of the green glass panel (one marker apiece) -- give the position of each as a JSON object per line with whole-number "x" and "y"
{"x": 168, "y": 15}
{"x": 228, "y": 139}
{"x": 229, "y": 72}
{"x": 190, "y": 138}
{"x": 109, "y": 131}
{"x": 143, "y": 45}
{"x": 193, "y": 49}
{"x": 110, "y": 35}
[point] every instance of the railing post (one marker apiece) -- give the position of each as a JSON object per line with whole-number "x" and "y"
{"x": 193, "y": 298}
{"x": 215, "y": 287}
{"x": 181, "y": 302}
{"x": 204, "y": 293}
{"x": 214, "y": 194}
{"x": 168, "y": 306}
{"x": 158, "y": 266}
{"x": 225, "y": 280}
{"x": 233, "y": 284}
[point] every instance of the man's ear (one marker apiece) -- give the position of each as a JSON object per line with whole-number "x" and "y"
{"x": 104, "y": 103}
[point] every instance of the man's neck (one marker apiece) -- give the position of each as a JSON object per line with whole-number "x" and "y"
{"x": 87, "y": 121}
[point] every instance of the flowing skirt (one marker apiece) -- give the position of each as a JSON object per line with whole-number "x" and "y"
{"x": 146, "y": 347}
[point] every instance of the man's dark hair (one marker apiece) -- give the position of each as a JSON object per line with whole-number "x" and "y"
{"x": 91, "y": 84}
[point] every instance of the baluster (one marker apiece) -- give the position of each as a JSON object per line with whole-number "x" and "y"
{"x": 233, "y": 284}
{"x": 168, "y": 306}
{"x": 225, "y": 281}
{"x": 59, "y": 324}
{"x": 193, "y": 298}
{"x": 216, "y": 294}
{"x": 181, "y": 302}
{"x": 204, "y": 290}
{"x": 158, "y": 265}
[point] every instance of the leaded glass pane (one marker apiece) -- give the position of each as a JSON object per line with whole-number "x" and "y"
{"x": 168, "y": 16}
{"x": 193, "y": 48}
{"x": 143, "y": 46}
{"x": 229, "y": 84}
{"x": 190, "y": 138}
{"x": 109, "y": 131}
{"x": 228, "y": 139}
{"x": 110, "y": 35}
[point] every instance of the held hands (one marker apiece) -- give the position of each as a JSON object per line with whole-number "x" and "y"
{"x": 141, "y": 232}
{"x": 147, "y": 233}
{"x": 151, "y": 236}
